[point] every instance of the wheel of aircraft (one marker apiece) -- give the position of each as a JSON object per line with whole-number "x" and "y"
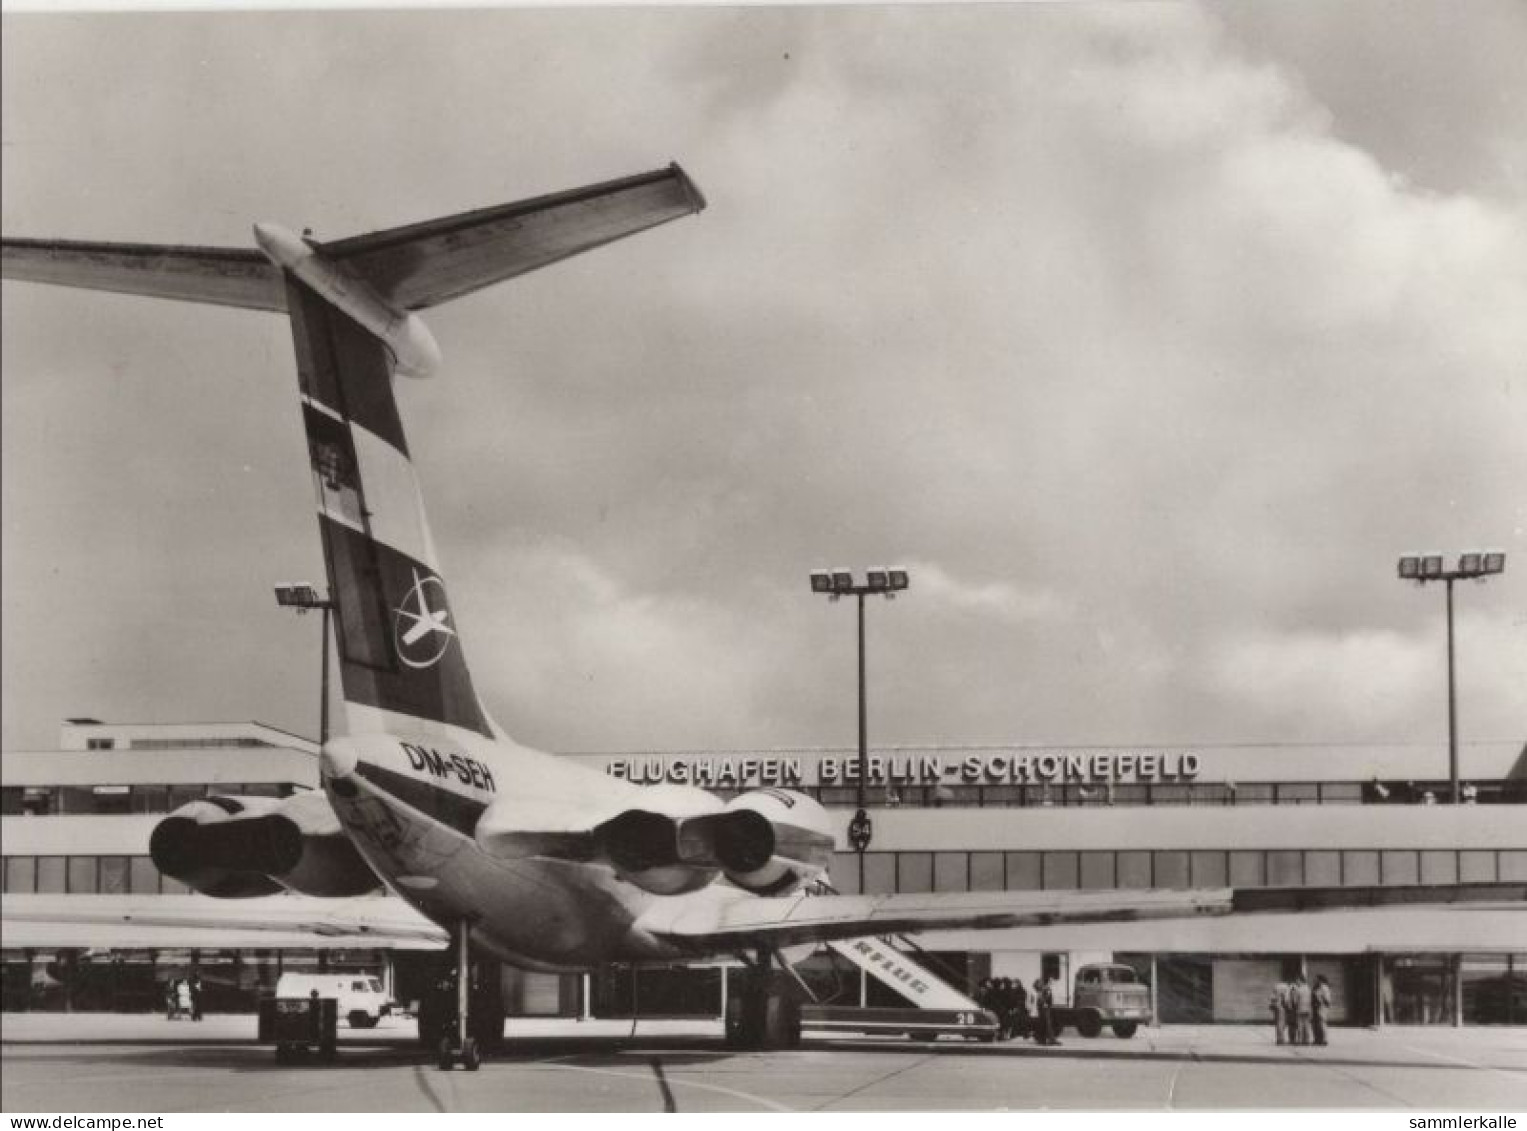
{"x": 471, "y": 1055}
{"x": 782, "y": 1022}
{"x": 766, "y": 1013}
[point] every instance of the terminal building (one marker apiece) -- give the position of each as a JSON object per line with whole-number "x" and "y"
{"x": 77, "y": 819}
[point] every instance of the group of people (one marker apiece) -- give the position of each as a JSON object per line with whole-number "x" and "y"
{"x": 1300, "y": 1011}
{"x": 182, "y": 998}
{"x": 1009, "y": 1001}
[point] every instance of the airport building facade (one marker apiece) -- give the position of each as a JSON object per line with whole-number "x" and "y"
{"x": 76, "y": 823}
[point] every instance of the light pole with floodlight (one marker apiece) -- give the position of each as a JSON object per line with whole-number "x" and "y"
{"x": 302, "y": 597}
{"x": 836, "y": 583}
{"x": 1422, "y": 568}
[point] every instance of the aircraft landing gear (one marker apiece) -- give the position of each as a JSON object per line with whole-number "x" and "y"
{"x": 767, "y": 1013}
{"x": 439, "y": 1012}
{"x": 456, "y": 1044}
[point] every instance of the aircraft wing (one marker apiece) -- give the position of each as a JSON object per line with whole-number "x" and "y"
{"x": 172, "y": 920}
{"x": 426, "y": 264}
{"x": 711, "y": 925}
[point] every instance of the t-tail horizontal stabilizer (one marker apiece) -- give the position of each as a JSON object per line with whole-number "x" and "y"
{"x": 405, "y": 269}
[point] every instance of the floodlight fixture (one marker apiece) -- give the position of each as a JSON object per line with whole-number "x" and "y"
{"x": 1474, "y": 565}
{"x": 298, "y": 595}
{"x": 835, "y": 583}
{"x": 302, "y": 596}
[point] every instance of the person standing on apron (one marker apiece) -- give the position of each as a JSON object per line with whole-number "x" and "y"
{"x": 1320, "y": 1008}
{"x": 1278, "y": 1004}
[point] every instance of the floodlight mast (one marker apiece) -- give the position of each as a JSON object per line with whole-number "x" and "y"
{"x": 1421, "y": 568}
{"x": 302, "y": 597}
{"x": 836, "y": 583}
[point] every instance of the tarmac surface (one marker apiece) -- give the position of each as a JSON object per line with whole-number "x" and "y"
{"x": 84, "y": 1063}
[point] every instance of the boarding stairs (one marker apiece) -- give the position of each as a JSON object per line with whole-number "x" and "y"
{"x": 936, "y": 1007}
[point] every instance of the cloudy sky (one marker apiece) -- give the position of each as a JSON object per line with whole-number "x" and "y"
{"x": 1146, "y": 335}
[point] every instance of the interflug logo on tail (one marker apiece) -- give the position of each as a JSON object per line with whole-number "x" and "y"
{"x": 421, "y": 628}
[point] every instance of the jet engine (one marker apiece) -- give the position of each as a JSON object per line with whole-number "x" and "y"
{"x": 238, "y": 847}
{"x": 767, "y": 841}
{"x": 646, "y": 847}
{"x": 773, "y": 841}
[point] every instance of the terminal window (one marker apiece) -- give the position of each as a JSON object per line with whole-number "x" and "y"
{"x": 1023, "y": 871}
{"x": 986, "y": 871}
{"x": 951, "y": 871}
{"x": 1322, "y": 869}
{"x": 1285, "y": 869}
{"x": 1208, "y": 870}
{"x": 1134, "y": 870}
{"x": 1060, "y": 870}
{"x": 1475, "y": 867}
{"x": 1439, "y": 867}
{"x": 1513, "y": 866}
{"x": 1097, "y": 870}
{"x": 1399, "y": 867}
{"x": 1171, "y": 870}
{"x": 1247, "y": 870}
{"x": 1360, "y": 868}
{"x": 50, "y": 875}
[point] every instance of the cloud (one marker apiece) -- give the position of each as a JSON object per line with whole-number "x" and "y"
{"x": 1099, "y": 312}
{"x": 994, "y": 600}
{"x": 570, "y": 656}
{"x": 1374, "y": 683}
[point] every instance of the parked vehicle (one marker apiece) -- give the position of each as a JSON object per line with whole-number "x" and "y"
{"x": 361, "y": 999}
{"x": 1109, "y": 994}
{"x": 299, "y": 1027}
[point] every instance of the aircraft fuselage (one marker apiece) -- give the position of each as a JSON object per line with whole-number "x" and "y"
{"x": 412, "y": 807}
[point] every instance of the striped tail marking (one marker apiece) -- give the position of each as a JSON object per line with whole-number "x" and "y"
{"x": 397, "y": 638}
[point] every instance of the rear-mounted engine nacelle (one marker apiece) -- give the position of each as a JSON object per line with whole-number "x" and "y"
{"x": 238, "y": 847}
{"x": 644, "y": 848}
{"x": 768, "y": 841}
{"x": 773, "y": 841}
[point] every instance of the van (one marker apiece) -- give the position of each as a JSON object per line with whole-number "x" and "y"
{"x": 361, "y": 1000}
{"x": 1109, "y": 994}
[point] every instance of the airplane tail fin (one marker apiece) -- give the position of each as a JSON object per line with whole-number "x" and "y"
{"x": 350, "y": 303}
{"x": 401, "y": 665}
{"x": 401, "y": 660}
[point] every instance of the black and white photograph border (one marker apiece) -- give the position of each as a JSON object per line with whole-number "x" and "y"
{"x": 1054, "y": 468}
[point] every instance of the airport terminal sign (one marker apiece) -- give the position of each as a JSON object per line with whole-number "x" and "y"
{"x": 732, "y": 771}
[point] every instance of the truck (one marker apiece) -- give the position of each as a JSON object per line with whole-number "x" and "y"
{"x": 362, "y": 1002}
{"x": 1106, "y": 993}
